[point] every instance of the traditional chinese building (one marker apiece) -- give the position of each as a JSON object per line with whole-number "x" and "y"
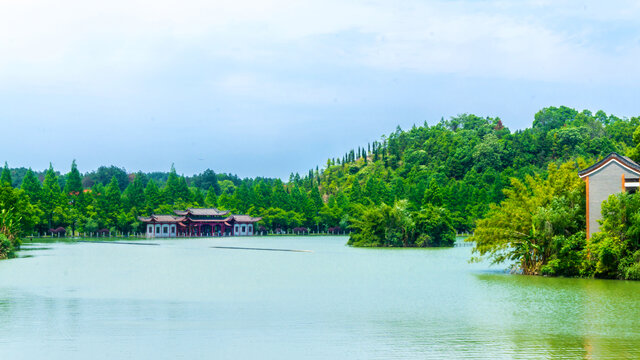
{"x": 199, "y": 222}
{"x": 613, "y": 174}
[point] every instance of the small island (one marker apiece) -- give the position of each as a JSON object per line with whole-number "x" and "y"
{"x": 532, "y": 198}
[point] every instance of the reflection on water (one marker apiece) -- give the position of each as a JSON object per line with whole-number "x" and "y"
{"x": 186, "y": 299}
{"x": 591, "y": 318}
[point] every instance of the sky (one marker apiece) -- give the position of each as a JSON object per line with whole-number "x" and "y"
{"x": 266, "y": 88}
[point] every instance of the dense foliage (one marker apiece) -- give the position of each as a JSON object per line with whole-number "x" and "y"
{"x": 614, "y": 252}
{"x": 385, "y": 225}
{"x": 539, "y": 225}
{"x": 16, "y": 214}
{"x": 452, "y": 171}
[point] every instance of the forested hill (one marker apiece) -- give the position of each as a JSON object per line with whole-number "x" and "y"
{"x": 461, "y": 164}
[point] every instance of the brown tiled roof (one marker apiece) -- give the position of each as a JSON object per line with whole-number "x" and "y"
{"x": 212, "y": 220}
{"x": 246, "y": 218}
{"x": 203, "y": 212}
{"x": 161, "y": 218}
{"x": 622, "y": 160}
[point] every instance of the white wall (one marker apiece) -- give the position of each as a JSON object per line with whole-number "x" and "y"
{"x": 161, "y": 230}
{"x": 243, "y": 229}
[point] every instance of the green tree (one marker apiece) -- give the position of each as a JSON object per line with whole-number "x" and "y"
{"x": 207, "y": 180}
{"x": 197, "y": 196}
{"x": 176, "y": 188}
{"x": 534, "y": 215}
{"x": 113, "y": 201}
{"x": 134, "y": 196}
{"x": 356, "y": 196}
{"x": 74, "y": 193}
{"x": 31, "y": 186}
{"x": 73, "y": 183}
{"x": 52, "y": 199}
{"x": 153, "y": 196}
{"x": 634, "y": 153}
{"x": 432, "y": 195}
{"x": 211, "y": 200}
{"x": 17, "y": 217}
{"x": 433, "y": 227}
{"x": 5, "y": 178}
{"x": 382, "y": 225}
{"x": 615, "y": 250}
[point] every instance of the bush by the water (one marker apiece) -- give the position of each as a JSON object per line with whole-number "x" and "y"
{"x": 396, "y": 226}
{"x": 540, "y": 228}
{"x": 614, "y": 252}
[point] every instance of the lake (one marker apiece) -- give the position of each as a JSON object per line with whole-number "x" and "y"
{"x": 183, "y": 299}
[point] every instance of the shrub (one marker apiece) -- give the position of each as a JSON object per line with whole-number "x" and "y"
{"x": 6, "y": 247}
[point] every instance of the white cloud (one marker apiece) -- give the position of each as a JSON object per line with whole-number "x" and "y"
{"x": 253, "y": 87}
{"x": 78, "y": 41}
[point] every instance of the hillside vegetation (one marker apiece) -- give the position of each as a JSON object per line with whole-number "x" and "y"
{"x": 454, "y": 169}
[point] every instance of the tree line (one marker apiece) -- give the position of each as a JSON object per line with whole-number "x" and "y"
{"x": 455, "y": 168}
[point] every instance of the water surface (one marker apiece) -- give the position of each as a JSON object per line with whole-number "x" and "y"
{"x": 185, "y": 299}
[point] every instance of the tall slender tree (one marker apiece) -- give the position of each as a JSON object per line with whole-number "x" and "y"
{"x": 134, "y": 194}
{"x": 153, "y": 196}
{"x": 31, "y": 186}
{"x": 113, "y": 200}
{"x": 52, "y": 198}
{"x": 73, "y": 184}
{"x": 5, "y": 178}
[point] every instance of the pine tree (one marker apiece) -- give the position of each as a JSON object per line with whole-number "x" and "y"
{"x": 263, "y": 195}
{"x": 242, "y": 198}
{"x": 52, "y": 197}
{"x": 432, "y": 195}
{"x": 183, "y": 192}
{"x": 5, "y": 178}
{"x": 196, "y": 196}
{"x": 31, "y": 186}
{"x": 280, "y": 196}
{"x": 153, "y": 196}
{"x": 356, "y": 193}
{"x": 134, "y": 194}
{"x": 211, "y": 200}
{"x": 205, "y": 180}
{"x": 172, "y": 189}
{"x": 113, "y": 200}
{"x": 75, "y": 196}
{"x": 316, "y": 198}
{"x": 99, "y": 202}
{"x": 73, "y": 184}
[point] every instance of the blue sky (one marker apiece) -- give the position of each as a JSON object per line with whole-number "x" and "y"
{"x": 265, "y": 88}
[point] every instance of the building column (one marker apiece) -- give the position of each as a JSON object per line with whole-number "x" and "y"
{"x": 586, "y": 179}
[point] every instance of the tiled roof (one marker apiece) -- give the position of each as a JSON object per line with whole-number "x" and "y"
{"x": 212, "y": 220}
{"x": 246, "y": 218}
{"x": 183, "y": 216}
{"x": 203, "y": 212}
{"x": 622, "y": 160}
{"x": 161, "y": 218}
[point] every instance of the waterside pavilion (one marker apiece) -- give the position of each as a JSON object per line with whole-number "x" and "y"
{"x": 613, "y": 174}
{"x": 199, "y": 222}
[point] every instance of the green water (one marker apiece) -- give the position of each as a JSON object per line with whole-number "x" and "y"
{"x": 183, "y": 299}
